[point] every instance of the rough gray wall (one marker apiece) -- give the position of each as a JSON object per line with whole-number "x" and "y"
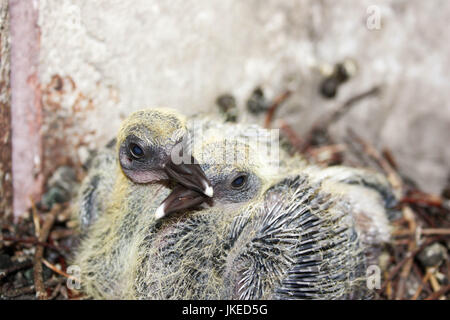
{"x": 100, "y": 60}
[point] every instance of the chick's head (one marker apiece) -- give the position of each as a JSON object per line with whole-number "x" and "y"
{"x": 145, "y": 141}
{"x": 236, "y": 170}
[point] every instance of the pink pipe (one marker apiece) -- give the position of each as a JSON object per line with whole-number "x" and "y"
{"x": 26, "y": 106}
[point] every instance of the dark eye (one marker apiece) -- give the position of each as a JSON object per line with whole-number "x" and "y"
{"x": 136, "y": 151}
{"x": 239, "y": 182}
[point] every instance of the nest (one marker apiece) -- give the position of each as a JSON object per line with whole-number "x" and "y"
{"x": 36, "y": 250}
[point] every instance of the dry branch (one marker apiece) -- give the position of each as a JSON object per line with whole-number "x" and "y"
{"x": 275, "y": 104}
{"x": 38, "y": 256}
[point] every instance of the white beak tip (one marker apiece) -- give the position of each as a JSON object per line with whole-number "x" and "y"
{"x": 209, "y": 191}
{"x": 160, "y": 212}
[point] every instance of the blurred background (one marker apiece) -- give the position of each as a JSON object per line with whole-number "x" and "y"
{"x": 73, "y": 69}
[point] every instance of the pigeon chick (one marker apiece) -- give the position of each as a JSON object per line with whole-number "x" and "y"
{"x": 143, "y": 153}
{"x": 292, "y": 242}
{"x": 145, "y": 145}
{"x": 108, "y": 254}
{"x": 270, "y": 232}
{"x": 305, "y": 233}
{"x": 236, "y": 158}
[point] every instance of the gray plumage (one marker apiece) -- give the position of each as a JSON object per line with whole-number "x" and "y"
{"x": 298, "y": 232}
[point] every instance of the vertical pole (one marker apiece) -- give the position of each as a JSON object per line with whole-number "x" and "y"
{"x": 26, "y": 106}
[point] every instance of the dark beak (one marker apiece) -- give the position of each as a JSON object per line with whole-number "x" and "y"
{"x": 180, "y": 198}
{"x": 189, "y": 175}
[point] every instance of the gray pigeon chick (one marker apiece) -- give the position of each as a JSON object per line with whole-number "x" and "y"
{"x": 293, "y": 242}
{"x": 142, "y": 152}
{"x": 301, "y": 233}
{"x": 108, "y": 255}
{"x": 271, "y": 231}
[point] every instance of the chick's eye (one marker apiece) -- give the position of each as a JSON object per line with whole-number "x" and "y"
{"x": 136, "y": 151}
{"x": 239, "y": 182}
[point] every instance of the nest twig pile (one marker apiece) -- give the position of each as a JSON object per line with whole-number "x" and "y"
{"x": 35, "y": 250}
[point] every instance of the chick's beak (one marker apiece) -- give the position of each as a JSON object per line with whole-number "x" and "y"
{"x": 180, "y": 198}
{"x": 189, "y": 175}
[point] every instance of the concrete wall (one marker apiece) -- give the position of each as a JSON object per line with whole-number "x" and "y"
{"x": 100, "y": 60}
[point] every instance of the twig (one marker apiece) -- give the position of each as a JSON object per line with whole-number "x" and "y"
{"x": 424, "y": 199}
{"x": 12, "y": 293}
{"x": 425, "y": 216}
{"x": 389, "y": 289}
{"x": 438, "y": 294}
{"x": 321, "y": 127}
{"x": 38, "y": 279}
{"x": 346, "y": 107}
{"x": 408, "y": 214}
{"x": 327, "y": 153}
{"x": 37, "y": 225}
{"x": 275, "y": 104}
{"x": 61, "y": 234}
{"x": 399, "y": 221}
{"x": 421, "y": 275}
{"x": 33, "y": 241}
{"x": 55, "y": 291}
{"x": 422, "y": 284}
{"x": 387, "y": 154}
{"x": 15, "y": 268}
{"x": 434, "y": 283}
{"x": 425, "y": 232}
{"x": 392, "y": 175}
{"x": 393, "y": 273}
{"x": 401, "y": 242}
{"x": 58, "y": 271}
{"x": 397, "y": 268}
{"x": 406, "y": 269}
{"x": 65, "y": 215}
